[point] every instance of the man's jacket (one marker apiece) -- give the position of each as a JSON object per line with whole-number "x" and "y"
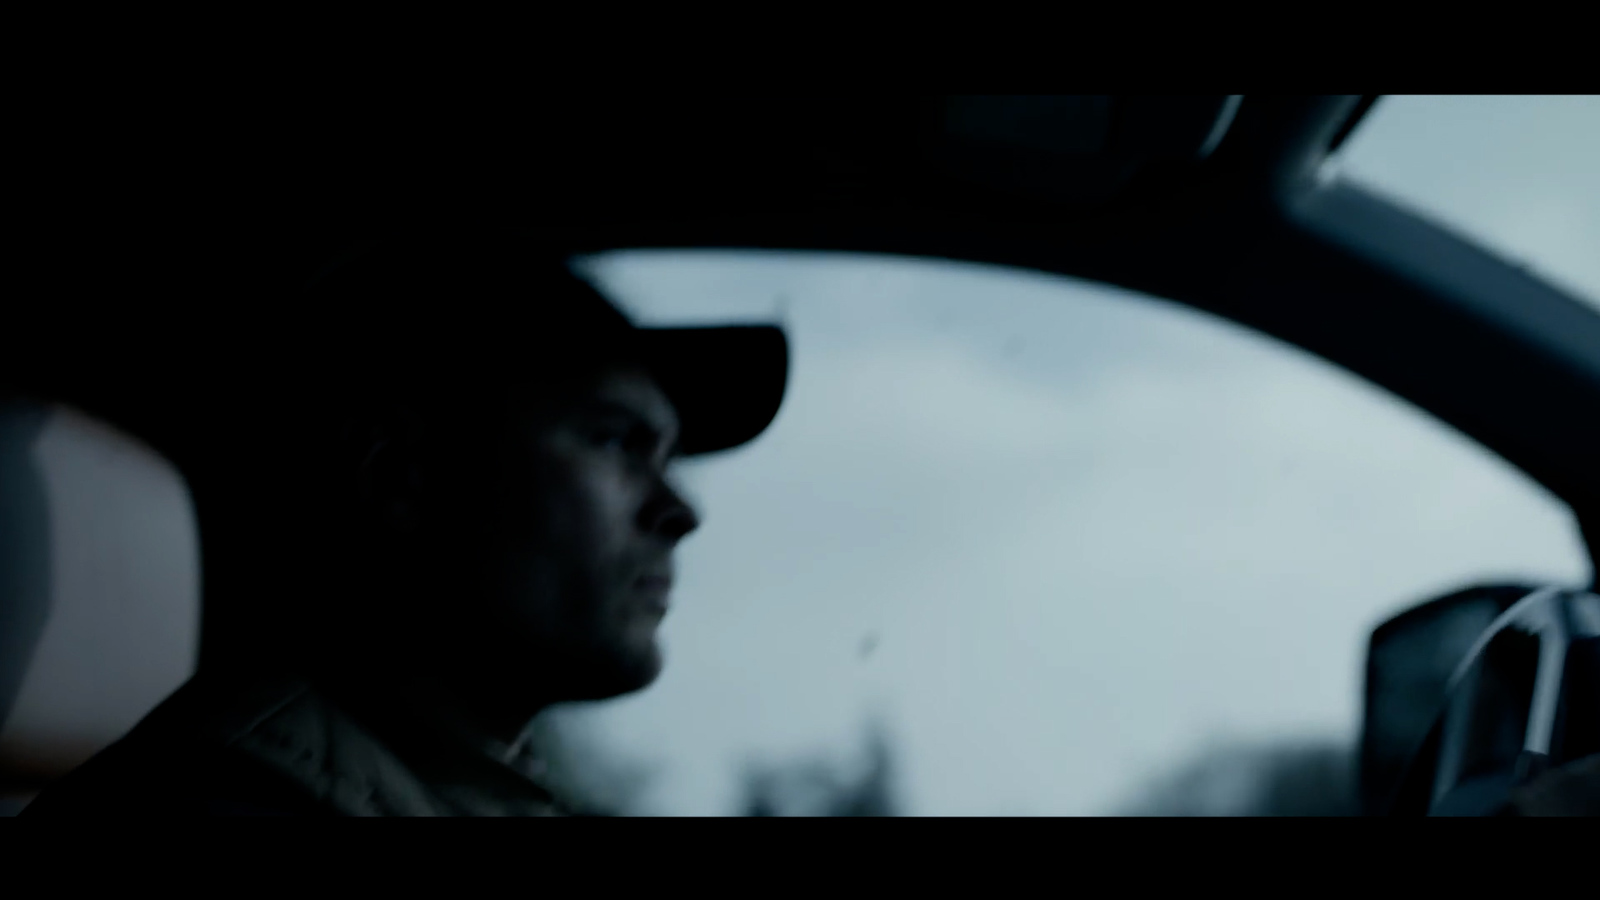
{"x": 281, "y": 746}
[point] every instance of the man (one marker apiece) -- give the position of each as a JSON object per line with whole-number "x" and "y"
{"x": 418, "y": 535}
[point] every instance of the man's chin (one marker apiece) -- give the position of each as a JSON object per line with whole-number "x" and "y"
{"x": 643, "y": 670}
{"x": 624, "y": 673}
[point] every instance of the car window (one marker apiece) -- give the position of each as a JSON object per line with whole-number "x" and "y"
{"x": 1043, "y": 539}
{"x": 1519, "y": 175}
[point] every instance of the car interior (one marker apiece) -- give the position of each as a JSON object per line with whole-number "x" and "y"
{"x": 1213, "y": 202}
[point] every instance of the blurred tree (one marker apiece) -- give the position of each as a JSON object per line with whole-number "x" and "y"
{"x": 581, "y": 770}
{"x": 819, "y": 787}
{"x": 1295, "y": 779}
{"x": 1307, "y": 778}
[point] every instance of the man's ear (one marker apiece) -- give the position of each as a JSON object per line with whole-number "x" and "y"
{"x": 389, "y": 478}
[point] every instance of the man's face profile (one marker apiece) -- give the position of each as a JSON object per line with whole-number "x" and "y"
{"x": 557, "y": 538}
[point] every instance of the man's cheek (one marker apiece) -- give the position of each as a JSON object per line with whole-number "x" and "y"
{"x": 603, "y": 503}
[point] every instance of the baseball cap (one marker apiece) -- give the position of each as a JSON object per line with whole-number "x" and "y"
{"x": 503, "y": 306}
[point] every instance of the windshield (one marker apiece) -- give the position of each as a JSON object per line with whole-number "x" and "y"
{"x": 1047, "y": 540}
{"x": 1519, "y": 175}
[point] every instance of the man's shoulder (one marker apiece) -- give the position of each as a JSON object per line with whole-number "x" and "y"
{"x": 194, "y": 754}
{"x": 120, "y": 782}
{"x": 274, "y": 745}
{"x": 185, "y": 758}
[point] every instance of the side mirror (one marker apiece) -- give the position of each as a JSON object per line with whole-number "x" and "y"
{"x": 1471, "y": 695}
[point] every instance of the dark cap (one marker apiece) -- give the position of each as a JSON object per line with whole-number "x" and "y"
{"x": 503, "y": 307}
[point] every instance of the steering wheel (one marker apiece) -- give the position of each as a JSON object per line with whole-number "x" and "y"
{"x": 1524, "y": 701}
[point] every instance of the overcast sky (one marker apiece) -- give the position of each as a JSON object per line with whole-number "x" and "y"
{"x": 1081, "y": 532}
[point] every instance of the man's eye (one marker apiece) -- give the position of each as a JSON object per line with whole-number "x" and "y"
{"x": 627, "y": 440}
{"x": 611, "y": 439}
{"x": 631, "y": 440}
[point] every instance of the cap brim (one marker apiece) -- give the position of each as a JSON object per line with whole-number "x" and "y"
{"x": 726, "y": 383}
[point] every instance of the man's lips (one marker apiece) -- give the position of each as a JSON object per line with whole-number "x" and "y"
{"x": 656, "y": 590}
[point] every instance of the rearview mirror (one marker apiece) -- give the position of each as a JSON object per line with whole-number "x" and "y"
{"x": 1071, "y": 149}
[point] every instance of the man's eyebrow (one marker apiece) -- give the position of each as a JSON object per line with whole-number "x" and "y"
{"x": 602, "y": 407}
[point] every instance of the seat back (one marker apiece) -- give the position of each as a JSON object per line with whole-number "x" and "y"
{"x": 99, "y": 591}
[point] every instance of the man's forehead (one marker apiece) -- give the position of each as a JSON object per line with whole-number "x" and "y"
{"x": 635, "y": 390}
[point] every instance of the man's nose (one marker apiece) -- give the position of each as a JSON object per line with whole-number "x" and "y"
{"x": 669, "y": 515}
